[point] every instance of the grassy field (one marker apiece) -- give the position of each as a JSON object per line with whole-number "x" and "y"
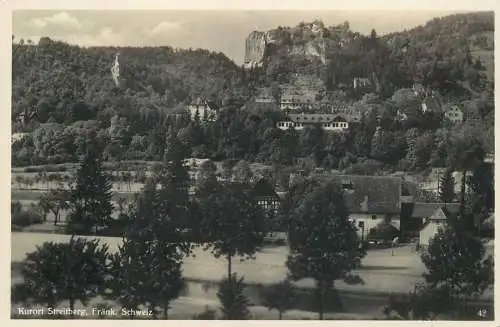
{"x": 381, "y": 272}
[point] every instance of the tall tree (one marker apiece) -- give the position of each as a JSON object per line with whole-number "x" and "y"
{"x": 323, "y": 242}
{"x": 73, "y": 271}
{"x": 148, "y": 264}
{"x": 455, "y": 260}
{"x": 447, "y": 187}
{"x": 232, "y": 221}
{"x": 91, "y": 197}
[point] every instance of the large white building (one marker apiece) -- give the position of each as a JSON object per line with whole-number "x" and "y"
{"x": 329, "y": 122}
{"x": 206, "y": 110}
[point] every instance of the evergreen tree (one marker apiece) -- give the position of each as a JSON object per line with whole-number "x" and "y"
{"x": 91, "y": 197}
{"x": 234, "y": 302}
{"x": 148, "y": 265}
{"x": 447, "y": 187}
{"x": 455, "y": 261}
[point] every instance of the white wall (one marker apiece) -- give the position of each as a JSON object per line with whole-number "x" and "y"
{"x": 428, "y": 232}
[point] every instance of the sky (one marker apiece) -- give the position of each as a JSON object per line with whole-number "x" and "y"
{"x": 221, "y": 31}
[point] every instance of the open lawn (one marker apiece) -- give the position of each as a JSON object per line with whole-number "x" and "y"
{"x": 381, "y": 272}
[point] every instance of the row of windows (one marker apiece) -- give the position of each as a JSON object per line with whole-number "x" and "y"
{"x": 334, "y": 125}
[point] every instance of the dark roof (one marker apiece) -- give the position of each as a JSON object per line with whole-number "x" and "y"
{"x": 425, "y": 210}
{"x": 212, "y": 105}
{"x": 371, "y": 194}
{"x": 263, "y": 188}
{"x": 199, "y": 102}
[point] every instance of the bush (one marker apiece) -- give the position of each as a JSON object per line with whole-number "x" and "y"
{"x": 27, "y": 218}
{"x": 15, "y": 208}
{"x": 208, "y": 314}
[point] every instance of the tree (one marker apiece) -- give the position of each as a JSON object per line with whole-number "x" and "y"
{"x": 455, "y": 261}
{"x": 72, "y": 271}
{"x": 55, "y": 201}
{"x": 323, "y": 242}
{"x": 162, "y": 215}
{"x": 128, "y": 275}
{"x": 234, "y": 302}
{"x": 447, "y": 187}
{"x": 91, "y": 197}
{"x": 232, "y": 222}
{"x": 281, "y": 297}
{"x": 423, "y": 303}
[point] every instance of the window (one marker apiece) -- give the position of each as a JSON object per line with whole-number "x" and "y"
{"x": 374, "y": 217}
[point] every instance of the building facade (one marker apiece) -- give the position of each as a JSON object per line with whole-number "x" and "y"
{"x": 328, "y": 122}
{"x": 435, "y": 222}
{"x": 205, "y": 110}
{"x": 454, "y": 115}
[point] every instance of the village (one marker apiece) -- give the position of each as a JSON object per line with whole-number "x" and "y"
{"x": 314, "y": 181}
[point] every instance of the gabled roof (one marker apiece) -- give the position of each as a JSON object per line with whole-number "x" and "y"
{"x": 200, "y": 102}
{"x": 442, "y": 213}
{"x": 370, "y": 194}
{"x": 426, "y": 210}
{"x": 212, "y": 105}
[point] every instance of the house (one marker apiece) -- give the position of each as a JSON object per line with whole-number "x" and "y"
{"x": 371, "y": 200}
{"x": 360, "y": 82}
{"x": 204, "y": 109}
{"x": 423, "y": 210}
{"x": 328, "y": 122}
{"x": 454, "y": 115}
{"x": 266, "y": 196}
{"x": 436, "y": 221}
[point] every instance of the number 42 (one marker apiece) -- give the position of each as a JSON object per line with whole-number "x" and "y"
{"x": 482, "y": 313}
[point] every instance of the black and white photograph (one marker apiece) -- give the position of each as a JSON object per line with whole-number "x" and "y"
{"x": 252, "y": 164}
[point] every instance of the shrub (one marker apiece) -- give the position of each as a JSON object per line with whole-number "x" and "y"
{"x": 208, "y": 314}
{"x": 27, "y": 218}
{"x": 15, "y": 208}
{"x": 233, "y": 300}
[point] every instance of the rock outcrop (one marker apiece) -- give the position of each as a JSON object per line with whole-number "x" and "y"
{"x": 308, "y": 40}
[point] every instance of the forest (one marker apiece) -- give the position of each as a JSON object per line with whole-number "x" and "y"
{"x": 63, "y": 95}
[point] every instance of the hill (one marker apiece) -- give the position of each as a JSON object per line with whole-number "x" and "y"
{"x": 337, "y": 54}
{"x": 51, "y": 78}
{"x": 449, "y": 33}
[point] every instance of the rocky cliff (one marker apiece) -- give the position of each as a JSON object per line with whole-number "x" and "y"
{"x": 307, "y": 40}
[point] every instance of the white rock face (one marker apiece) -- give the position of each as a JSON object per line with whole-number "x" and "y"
{"x": 254, "y": 49}
{"x": 315, "y": 47}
